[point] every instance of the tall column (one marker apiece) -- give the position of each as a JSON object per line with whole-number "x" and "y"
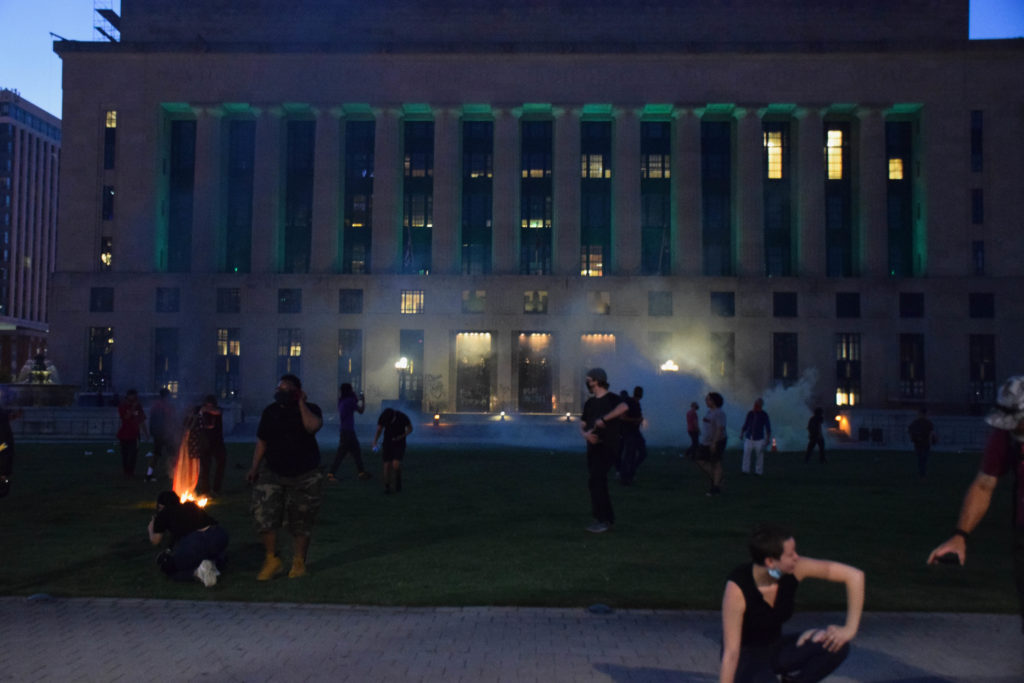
{"x": 266, "y": 219}
{"x": 686, "y": 175}
{"x": 566, "y": 259}
{"x": 749, "y": 194}
{"x": 811, "y": 192}
{"x": 873, "y": 234}
{"x": 626, "y": 237}
{"x": 447, "y": 231}
{"x": 207, "y": 218}
{"x": 327, "y": 187}
{"x": 505, "y": 209}
{"x": 387, "y": 169}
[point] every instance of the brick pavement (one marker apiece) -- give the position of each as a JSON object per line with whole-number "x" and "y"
{"x": 99, "y": 639}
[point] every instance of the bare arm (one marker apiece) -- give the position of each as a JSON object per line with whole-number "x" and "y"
{"x": 257, "y": 457}
{"x": 311, "y": 422}
{"x": 154, "y": 538}
{"x": 376, "y": 436}
{"x": 834, "y": 637}
{"x": 733, "y": 608}
{"x": 617, "y": 412}
{"x": 975, "y": 505}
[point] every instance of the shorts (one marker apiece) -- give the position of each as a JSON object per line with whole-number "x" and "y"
{"x": 704, "y": 452}
{"x": 392, "y": 452}
{"x": 290, "y": 501}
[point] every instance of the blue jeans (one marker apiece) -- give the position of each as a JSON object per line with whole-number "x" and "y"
{"x": 195, "y": 547}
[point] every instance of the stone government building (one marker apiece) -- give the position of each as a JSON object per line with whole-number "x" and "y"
{"x": 464, "y": 205}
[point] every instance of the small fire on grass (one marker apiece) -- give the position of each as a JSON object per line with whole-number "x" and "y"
{"x": 186, "y": 474}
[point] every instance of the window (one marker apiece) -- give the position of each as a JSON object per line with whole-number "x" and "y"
{"x": 912, "y": 366}
{"x": 107, "y": 202}
{"x": 900, "y": 150}
{"x": 165, "y": 358}
{"x": 722, "y": 356}
{"x": 350, "y": 301}
{"x": 847, "y": 369}
{"x": 773, "y": 154}
{"x": 350, "y": 358}
{"x": 289, "y": 351}
{"x": 982, "y": 350}
{"x": 659, "y": 303}
{"x": 911, "y": 304}
{"x": 229, "y": 300}
{"x": 895, "y": 169}
{"x": 777, "y": 200}
{"x": 289, "y": 301}
{"x": 977, "y": 206}
{"x": 784, "y": 305}
{"x": 227, "y": 371}
{"x": 238, "y": 183}
{"x": 834, "y": 144}
{"x": 784, "y": 357}
{"x": 977, "y": 140}
{"x": 168, "y": 299}
{"x": 101, "y": 300}
{"x": 595, "y": 198}
{"x": 655, "y": 197}
{"x": 359, "y": 169}
{"x": 410, "y": 367}
{"x": 981, "y": 305}
{"x": 412, "y": 301}
{"x": 180, "y": 196}
{"x": 536, "y": 197}
{"x": 591, "y": 260}
{"x": 599, "y": 303}
{"x": 477, "y": 196}
{"x": 109, "y": 138}
{"x": 300, "y": 137}
{"x": 841, "y": 248}
{"x": 101, "y": 358}
{"x": 716, "y": 197}
{"x": 978, "y": 257}
{"x": 418, "y": 196}
{"x": 106, "y": 252}
{"x": 535, "y": 302}
{"x": 474, "y": 300}
{"x": 723, "y": 304}
{"x": 847, "y": 304}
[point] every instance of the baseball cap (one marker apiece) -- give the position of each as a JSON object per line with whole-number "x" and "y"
{"x": 598, "y": 375}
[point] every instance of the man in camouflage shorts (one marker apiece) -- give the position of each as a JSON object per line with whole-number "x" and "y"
{"x": 286, "y": 476}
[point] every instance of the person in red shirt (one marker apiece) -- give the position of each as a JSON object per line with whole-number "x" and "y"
{"x": 133, "y": 425}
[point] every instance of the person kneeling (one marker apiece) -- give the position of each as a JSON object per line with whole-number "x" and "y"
{"x": 197, "y": 542}
{"x": 759, "y": 598}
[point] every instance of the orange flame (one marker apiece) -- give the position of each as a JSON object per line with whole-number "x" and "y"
{"x": 186, "y": 474}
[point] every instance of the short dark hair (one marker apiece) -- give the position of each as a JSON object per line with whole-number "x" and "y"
{"x": 346, "y": 390}
{"x": 638, "y": 392}
{"x": 291, "y": 379}
{"x": 717, "y": 399}
{"x": 766, "y": 541}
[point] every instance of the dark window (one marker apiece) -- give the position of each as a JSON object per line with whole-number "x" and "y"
{"x": 847, "y": 304}
{"x": 107, "y": 208}
{"x": 289, "y": 351}
{"x": 784, "y": 357}
{"x": 101, "y": 300}
{"x": 912, "y": 366}
{"x": 418, "y": 197}
{"x": 978, "y": 257}
{"x": 229, "y": 300}
{"x": 165, "y": 358}
{"x": 911, "y": 304}
{"x": 350, "y": 301}
{"x": 350, "y": 358}
{"x": 168, "y": 299}
{"x": 784, "y": 305}
{"x": 899, "y": 150}
{"x": 227, "y": 374}
{"x": 982, "y": 305}
{"x": 180, "y": 195}
{"x": 840, "y": 247}
{"x": 477, "y": 195}
{"x": 109, "y": 141}
{"x": 659, "y": 303}
{"x": 535, "y": 192}
{"x": 716, "y": 196}
{"x": 289, "y": 301}
{"x": 977, "y": 206}
{"x": 777, "y": 199}
{"x": 100, "y": 358}
{"x": 655, "y": 197}
{"x": 977, "y": 140}
{"x": 238, "y": 193}
{"x": 722, "y": 356}
{"x": 723, "y": 304}
{"x": 359, "y": 160}
{"x": 474, "y": 301}
{"x": 300, "y": 137}
{"x": 982, "y": 349}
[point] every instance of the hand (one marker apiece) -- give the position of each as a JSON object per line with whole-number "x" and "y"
{"x": 591, "y": 438}
{"x": 833, "y": 638}
{"x": 956, "y": 545}
{"x": 252, "y": 475}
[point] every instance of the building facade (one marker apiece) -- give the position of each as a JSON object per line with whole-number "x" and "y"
{"x": 465, "y": 207}
{"x": 29, "y": 169}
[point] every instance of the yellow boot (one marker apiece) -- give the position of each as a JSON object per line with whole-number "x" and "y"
{"x": 272, "y": 566}
{"x": 298, "y": 568}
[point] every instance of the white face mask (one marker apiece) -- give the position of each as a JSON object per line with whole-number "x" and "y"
{"x": 775, "y": 573}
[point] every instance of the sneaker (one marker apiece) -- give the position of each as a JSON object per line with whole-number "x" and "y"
{"x": 365, "y": 475}
{"x": 298, "y": 568}
{"x": 598, "y": 528}
{"x": 207, "y": 573}
{"x": 272, "y": 566}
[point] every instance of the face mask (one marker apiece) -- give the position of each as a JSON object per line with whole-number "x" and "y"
{"x": 775, "y": 573}
{"x": 284, "y": 397}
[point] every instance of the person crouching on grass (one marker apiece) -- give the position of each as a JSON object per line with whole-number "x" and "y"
{"x": 759, "y": 598}
{"x": 197, "y": 542}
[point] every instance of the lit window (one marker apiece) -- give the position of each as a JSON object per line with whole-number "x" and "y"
{"x": 599, "y": 303}
{"x": 111, "y": 118}
{"x": 895, "y": 169}
{"x": 655, "y": 166}
{"x": 474, "y": 300}
{"x": 591, "y": 260}
{"x": 412, "y": 301}
{"x": 593, "y": 166}
{"x": 834, "y": 154}
{"x": 773, "y": 146}
{"x": 535, "y": 301}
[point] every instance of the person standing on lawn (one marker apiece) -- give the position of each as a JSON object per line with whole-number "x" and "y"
{"x": 760, "y": 597}
{"x": 133, "y": 426}
{"x": 348, "y": 405}
{"x": 286, "y": 477}
{"x": 213, "y": 453}
{"x": 394, "y": 426}
{"x": 815, "y": 437}
{"x": 712, "y": 442}
{"x": 600, "y": 426}
{"x": 1004, "y": 453}
{"x": 692, "y": 430}
{"x": 197, "y": 542}
{"x": 162, "y": 427}
{"x": 922, "y": 435}
{"x": 756, "y": 431}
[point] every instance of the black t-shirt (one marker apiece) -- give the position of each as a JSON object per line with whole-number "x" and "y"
{"x": 394, "y": 428}
{"x": 762, "y": 623}
{"x": 291, "y": 450}
{"x": 596, "y": 408}
{"x": 181, "y": 520}
{"x": 636, "y": 415}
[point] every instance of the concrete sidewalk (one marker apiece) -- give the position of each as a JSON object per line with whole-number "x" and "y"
{"x": 158, "y": 640}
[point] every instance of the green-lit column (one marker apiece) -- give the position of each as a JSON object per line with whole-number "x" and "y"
{"x": 810, "y": 157}
{"x": 447, "y": 231}
{"x": 505, "y": 216}
{"x": 566, "y": 223}
{"x": 872, "y": 233}
{"x": 207, "y": 216}
{"x": 327, "y": 189}
{"x": 686, "y": 243}
{"x": 387, "y": 169}
{"x": 626, "y": 237}
{"x": 266, "y": 221}
{"x": 748, "y": 225}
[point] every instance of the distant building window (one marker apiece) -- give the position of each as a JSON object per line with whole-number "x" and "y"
{"x": 978, "y": 257}
{"x": 911, "y": 304}
{"x": 350, "y": 301}
{"x": 834, "y": 154}
{"x": 847, "y": 304}
{"x": 982, "y": 359}
{"x": 100, "y": 358}
{"x": 412, "y": 301}
{"x": 659, "y": 303}
{"x": 107, "y": 203}
{"x": 229, "y": 300}
{"x": 227, "y": 372}
{"x": 165, "y": 359}
{"x": 168, "y": 299}
{"x": 723, "y": 304}
{"x": 109, "y": 139}
{"x": 535, "y": 301}
{"x": 106, "y": 252}
{"x": 289, "y": 351}
{"x": 982, "y": 305}
{"x": 289, "y": 301}
{"x": 848, "y": 369}
{"x": 722, "y": 356}
{"x": 599, "y": 303}
{"x": 977, "y": 206}
{"x": 977, "y": 140}
{"x": 896, "y": 169}
{"x": 912, "y": 366}
{"x": 773, "y": 153}
{"x": 784, "y": 355}
{"x": 784, "y": 305}
{"x": 101, "y": 300}
{"x": 474, "y": 300}
{"x": 350, "y": 358}
{"x": 592, "y": 260}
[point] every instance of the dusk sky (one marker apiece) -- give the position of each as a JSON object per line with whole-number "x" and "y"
{"x": 29, "y": 65}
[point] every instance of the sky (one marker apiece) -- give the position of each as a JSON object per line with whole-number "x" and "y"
{"x": 29, "y": 65}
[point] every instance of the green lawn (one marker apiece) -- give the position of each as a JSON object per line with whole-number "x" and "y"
{"x": 490, "y": 525}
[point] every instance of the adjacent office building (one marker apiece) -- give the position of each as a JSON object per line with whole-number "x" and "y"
{"x": 465, "y": 205}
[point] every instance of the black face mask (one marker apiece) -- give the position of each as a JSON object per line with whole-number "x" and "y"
{"x": 284, "y": 397}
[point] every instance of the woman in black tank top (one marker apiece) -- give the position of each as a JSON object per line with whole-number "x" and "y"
{"x": 759, "y": 598}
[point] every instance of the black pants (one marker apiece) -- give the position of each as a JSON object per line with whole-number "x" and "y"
{"x": 694, "y": 444}
{"x": 807, "y": 664}
{"x": 922, "y": 451}
{"x": 813, "y": 441}
{"x": 129, "y": 454}
{"x": 211, "y": 457}
{"x": 600, "y": 459}
{"x": 348, "y": 443}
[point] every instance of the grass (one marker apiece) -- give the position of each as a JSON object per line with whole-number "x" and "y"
{"x": 491, "y": 525}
